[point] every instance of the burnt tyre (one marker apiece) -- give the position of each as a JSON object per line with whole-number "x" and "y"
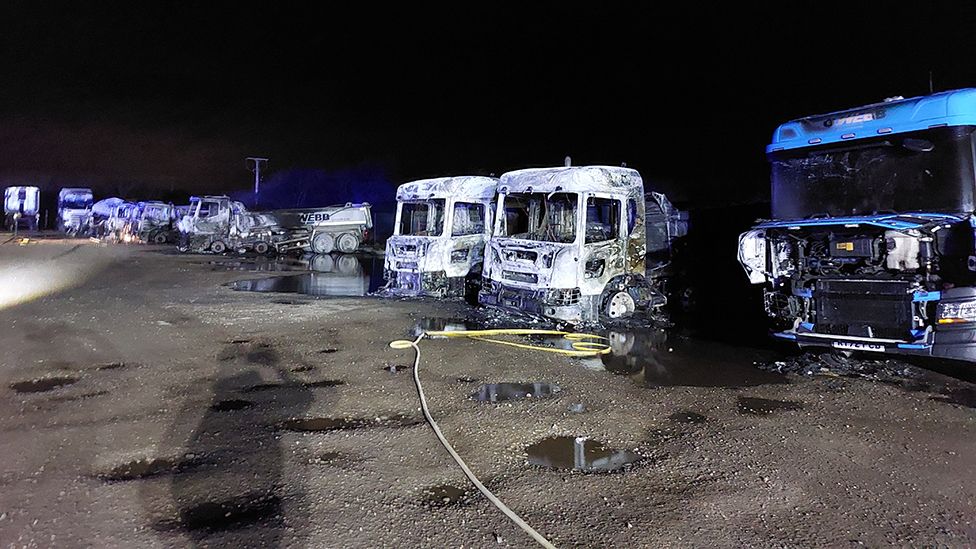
{"x": 261, "y": 248}
{"x": 218, "y": 247}
{"x": 323, "y": 243}
{"x": 159, "y": 238}
{"x": 347, "y": 243}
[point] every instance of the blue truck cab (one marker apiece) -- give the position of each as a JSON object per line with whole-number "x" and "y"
{"x": 871, "y": 245}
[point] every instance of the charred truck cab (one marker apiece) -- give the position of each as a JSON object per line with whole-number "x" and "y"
{"x": 871, "y": 242}
{"x": 569, "y": 243}
{"x": 438, "y": 241}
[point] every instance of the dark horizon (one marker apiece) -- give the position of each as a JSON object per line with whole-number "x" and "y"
{"x": 153, "y": 100}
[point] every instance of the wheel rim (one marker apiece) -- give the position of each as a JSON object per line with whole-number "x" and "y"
{"x": 323, "y": 243}
{"x": 621, "y": 305}
{"x": 348, "y": 243}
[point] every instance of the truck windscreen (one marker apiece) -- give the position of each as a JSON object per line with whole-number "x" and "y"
{"x": 925, "y": 171}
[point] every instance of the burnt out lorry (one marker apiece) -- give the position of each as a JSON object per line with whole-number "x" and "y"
{"x": 870, "y": 245}
{"x": 340, "y": 228}
{"x": 439, "y": 236}
{"x": 570, "y": 244}
{"x": 217, "y": 224}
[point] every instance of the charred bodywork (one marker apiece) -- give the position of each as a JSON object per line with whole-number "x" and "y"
{"x": 439, "y": 238}
{"x": 217, "y": 224}
{"x": 871, "y": 245}
{"x": 570, "y": 244}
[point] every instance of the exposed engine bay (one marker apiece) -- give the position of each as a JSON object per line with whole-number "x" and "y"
{"x": 859, "y": 279}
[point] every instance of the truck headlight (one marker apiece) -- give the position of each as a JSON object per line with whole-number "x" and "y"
{"x": 459, "y": 256}
{"x": 752, "y": 255}
{"x": 957, "y": 312}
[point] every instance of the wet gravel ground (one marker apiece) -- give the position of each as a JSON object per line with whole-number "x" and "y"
{"x": 147, "y": 403}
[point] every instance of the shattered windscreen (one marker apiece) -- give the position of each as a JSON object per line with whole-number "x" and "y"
{"x": 469, "y": 218}
{"x": 76, "y": 202}
{"x": 547, "y": 217}
{"x": 929, "y": 171}
{"x": 422, "y": 218}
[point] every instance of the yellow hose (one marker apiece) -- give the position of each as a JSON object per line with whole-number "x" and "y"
{"x": 583, "y": 345}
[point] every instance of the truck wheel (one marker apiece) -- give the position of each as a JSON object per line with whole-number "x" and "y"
{"x": 260, "y": 248}
{"x": 218, "y": 247}
{"x": 159, "y": 238}
{"x": 619, "y": 305}
{"x": 323, "y": 243}
{"x": 347, "y": 243}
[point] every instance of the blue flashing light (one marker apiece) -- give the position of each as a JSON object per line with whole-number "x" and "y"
{"x": 784, "y": 335}
{"x": 914, "y": 346}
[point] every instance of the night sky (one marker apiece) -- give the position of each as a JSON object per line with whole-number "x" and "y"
{"x": 142, "y": 100}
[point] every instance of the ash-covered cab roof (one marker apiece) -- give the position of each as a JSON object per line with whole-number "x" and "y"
{"x": 462, "y": 187}
{"x": 572, "y": 179}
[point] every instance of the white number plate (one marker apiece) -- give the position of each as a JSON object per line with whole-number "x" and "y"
{"x": 853, "y": 346}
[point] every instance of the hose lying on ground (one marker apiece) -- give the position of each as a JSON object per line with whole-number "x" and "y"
{"x": 583, "y": 345}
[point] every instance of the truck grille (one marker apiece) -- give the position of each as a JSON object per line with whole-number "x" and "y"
{"x": 864, "y": 308}
{"x": 520, "y": 277}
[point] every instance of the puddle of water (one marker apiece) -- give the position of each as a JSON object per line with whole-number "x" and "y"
{"x": 328, "y": 350}
{"x": 395, "y": 368}
{"x": 763, "y": 406}
{"x": 336, "y": 275}
{"x": 437, "y": 324}
{"x": 303, "y": 368}
{"x": 324, "y": 383}
{"x": 467, "y": 379}
{"x": 231, "y": 514}
{"x": 497, "y": 392}
{"x": 84, "y": 396}
{"x": 273, "y": 386}
{"x": 579, "y": 454}
{"x": 444, "y": 494}
{"x": 110, "y": 366}
{"x": 326, "y": 457}
{"x": 149, "y": 467}
{"x": 231, "y": 405}
{"x": 264, "y": 387}
{"x": 962, "y": 396}
{"x": 659, "y": 359}
{"x": 343, "y": 424}
{"x": 289, "y": 302}
{"x": 43, "y": 384}
{"x": 687, "y": 416}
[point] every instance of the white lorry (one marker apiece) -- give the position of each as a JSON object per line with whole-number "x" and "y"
{"x": 21, "y": 208}
{"x": 74, "y": 209}
{"x": 570, "y": 243}
{"x": 439, "y": 236}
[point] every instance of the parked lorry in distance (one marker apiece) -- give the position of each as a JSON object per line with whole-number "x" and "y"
{"x": 570, "y": 243}
{"x": 439, "y": 236}
{"x": 871, "y": 245}
{"x": 216, "y": 224}
{"x": 21, "y": 208}
{"x": 342, "y": 228}
{"x": 155, "y": 222}
{"x": 74, "y": 209}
